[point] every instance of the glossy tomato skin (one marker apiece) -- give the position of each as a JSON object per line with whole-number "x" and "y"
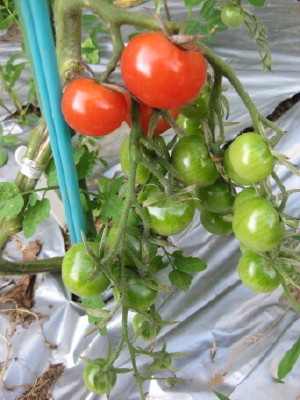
{"x": 92, "y": 109}
{"x": 216, "y": 198}
{"x": 244, "y": 195}
{"x": 190, "y": 126}
{"x": 232, "y": 16}
{"x": 142, "y": 173}
{"x": 167, "y": 217}
{"x": 77, "y": 267}
{"x": 191, "y": 160}
{"x": 145, "y": 333}
{"x": 159, "y": 73}
{"x": 215, "y": 223}
{"x": 256, "y": 274}
{"x": 94, "y": 378}
{"x": 248, "y": 159}
{"x": 198, "y": 109}
{"x": 139, "y": 296}
{"x": 256, "y": 224}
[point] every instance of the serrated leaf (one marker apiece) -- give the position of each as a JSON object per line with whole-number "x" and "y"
{"x": 35, "y": 215}
{"x": 112, "y": 209}
{"x": 11, "y": 201}
{"x": 180, "y": 279}
{"x": 32, "y": 199}
{"x": 289, "y": 360}
{"x": 109, "y": 187}
{"x": 3, "y": 157}
{"x": 90, "y": 51}
{"x": 89, "y": 19}
{"x": 190, "y": 265}
{"x": 220, "y": 395}
{"x": 94, "y": 303}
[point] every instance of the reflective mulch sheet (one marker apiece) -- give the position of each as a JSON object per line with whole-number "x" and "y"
{"x": 234, "y": 337}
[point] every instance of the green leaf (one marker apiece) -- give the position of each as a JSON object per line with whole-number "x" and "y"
{"x": 32, "y": 199}
{"x": 157, "y": 264}
{"x": 180, "y": 279}
{"x": 89, "y": 19}
{"x": 11, "y": 140}
{"x": 32, "y": 119}
{"x": 289, "y": 360}
{"x": 35, "y": 215}
{"x": 192, "y": 3}
{"x": 220, "y": 395}
{"x": 6, "y": 22}
{"x": 3, "y": 157}
{"x": 112, "y": 209}
{"x": 190, "y": 265}
{"x": 11, "y": 201}
{"x": 90, "y": 51}
{"x": 94, "y": 303}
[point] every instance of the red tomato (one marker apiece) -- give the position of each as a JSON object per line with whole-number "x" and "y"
{"x": 146, "y": 112}
{"x": 161, "y": 74}
{"x": 92, "y": 109}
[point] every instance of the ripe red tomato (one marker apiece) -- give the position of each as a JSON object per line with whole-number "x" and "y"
{"x": 146, "y": 112}
{"x": 256, "y": 274}
{"x": 92, "y": 109}
{"x": 161, "y": 74}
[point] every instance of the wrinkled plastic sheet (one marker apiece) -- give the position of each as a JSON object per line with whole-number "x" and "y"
{"x": 233, "y": 337}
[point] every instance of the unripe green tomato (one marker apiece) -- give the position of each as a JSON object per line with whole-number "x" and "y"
{"x": 190, "y": 126}
{"x": 215, "y": 223}
{"x": 94, "y": 378}
{"x": 199, "y": 108}
{"x": 77, "y": 268}
{"x": 191, "y": 160}
{"x": 257, "y": 225}
{"x": 232, "y": 16}
{"x": 256, "y": 274}
{"x": 244, "y": 195}
{"x": 248, "y": 159}
{"x": 139, "y": 296}
{"x": 216, "y": 198}
{"x": 167, "y": 217}
{"x": 142, "y": 173}
{"x": 145, "y": 334}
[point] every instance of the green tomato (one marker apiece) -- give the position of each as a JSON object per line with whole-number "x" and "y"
{"x": 248, "y": 159}
{"x": 142, "y": 173}
{"x": 190, "y": 126}
{"x": 232, "y": 16}
{"x": 244, "y": 195}
{"x": 167, "y": 217}
{"x": 199, "y": 109}
{"x": 139, "y": 296}
{"x": 145, "y": 333}
{"x": 257, "y": 3}
{"x": 216, "y": 198}
{"x": 97, "y": 381}
{"x": 256, "y": 224}
{"x": 216, "y": 224}
{"x": 191, "y": 160}
{"x": 77, "y": 267}
{"x": 255, "y": 273}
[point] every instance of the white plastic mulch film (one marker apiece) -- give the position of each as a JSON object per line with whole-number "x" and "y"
{"x": 233, "y": 337}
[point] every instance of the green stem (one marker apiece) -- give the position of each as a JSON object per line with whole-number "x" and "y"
{"x": 118, "y": 46}
{"x": 289, "y": 296}
{"x": 214, "y": 103}
{"x": 11, "y": 93}
{"x": 8, "y": 268}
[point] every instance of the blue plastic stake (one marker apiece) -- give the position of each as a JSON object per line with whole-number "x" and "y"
{"x": 36, "y": 23}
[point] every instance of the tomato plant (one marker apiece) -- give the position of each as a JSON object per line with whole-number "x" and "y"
{"x": 147, "y": 328}
{"x": 167, "y": 217}
{"x": 257, "y": 273}
{"x": 215, "y": 223}
{"x": 142, "y": 173}
{"x": 232, "y": 16}
{"x": 96, "y": 380}
{"x": 248, "y": 159}
{"x": 150, "y": 61}
{"x": 92, "y": 109}
{"x": 216, "y": 198}
{"x": 191, "y": 160}
{"x": 77, "y": 268}
{"x": 256, "y": 223}
{"x": 244, "y": 195}
{"x": 190, "y": 126}
{"x": 257, "y": 3}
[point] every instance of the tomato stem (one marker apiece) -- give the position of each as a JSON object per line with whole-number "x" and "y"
{"x": 30, "y": 267}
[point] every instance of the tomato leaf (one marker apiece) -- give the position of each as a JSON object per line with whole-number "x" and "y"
{"x": 220, "y": 395}
{"x": 180, "y": 279}
{"x": 34, "y": 215}
{"x": 11, "y": 201}
{"x": 109, "y": 187}
{"x": 3, "y": 157}
{"x": 289, "y": 360}
{"x": 112, "y": 209}
{"x": 92, "y": 306}
{"x": 192, "y": 3}
{"x": 90, "y": 51}
{"x": 190, "y": 265}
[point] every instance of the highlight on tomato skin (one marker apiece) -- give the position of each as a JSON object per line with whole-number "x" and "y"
{"x": 161, "y": 74}
{"x": 92, "y": 109}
